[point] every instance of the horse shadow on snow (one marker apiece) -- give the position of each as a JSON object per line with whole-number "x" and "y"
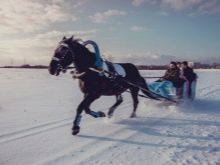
{"x": 149, "y": 126}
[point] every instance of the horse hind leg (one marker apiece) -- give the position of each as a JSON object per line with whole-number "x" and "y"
{"x": 119, "y": 100}
{"x": 134, "y": 94}
{"x": 89, "y": 111}
{"x": 94, "y": 114}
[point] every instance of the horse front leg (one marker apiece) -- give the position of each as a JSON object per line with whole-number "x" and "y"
{"x": 119, "y": 100}
{"x": 76, "y": 122}
{"x": 134, "y": 94}
{"x": 95, "y": 114}
{"x": 84, "y": 105}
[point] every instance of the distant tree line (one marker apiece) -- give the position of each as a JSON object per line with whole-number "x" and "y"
{"x": 28, "y": 66}
{"x": 197, "y": 65}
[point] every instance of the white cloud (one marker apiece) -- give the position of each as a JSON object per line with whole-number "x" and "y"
{"x": 103, "y": 17}
{"x": 30, "y": 15}
{"x": 59, "y": 34}
{"x": 180, "y": 4}
{"x": 137, "y": 28}
{"x": 148, "y": 58}
{"x": 138, "y": 2}
{"x": 163, "y": 13}
{"x": 141, "y": 2}
{"x": 44, "y": 40}
{"x": 210, "y": 7}
{"x": 38, "y": 46}
{"x": 173, "y": 4}
{"x": 198, "y": 6}
{"x": 79, "y": 4}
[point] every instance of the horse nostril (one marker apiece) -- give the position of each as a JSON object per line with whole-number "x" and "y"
{"x": 51, "y": 71}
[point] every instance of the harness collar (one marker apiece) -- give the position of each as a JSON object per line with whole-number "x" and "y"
{"x": 55, "y": 59}
{"x": 64, "y": 44}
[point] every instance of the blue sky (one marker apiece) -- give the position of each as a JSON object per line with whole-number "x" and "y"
{"x": 138, "y": 31}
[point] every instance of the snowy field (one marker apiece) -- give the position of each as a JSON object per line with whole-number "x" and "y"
{"x": 37, "y": 110}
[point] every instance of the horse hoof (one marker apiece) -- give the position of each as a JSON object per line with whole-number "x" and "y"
{"x": 101, "y": 114}
{"x": 110, "y": 116}
{"x": 75, "y": 130}
{"x": 133, "y": 115}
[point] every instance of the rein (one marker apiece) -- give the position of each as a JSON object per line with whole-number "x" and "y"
{"x": 151, "y": 77}
{"x": 135, "y": 85}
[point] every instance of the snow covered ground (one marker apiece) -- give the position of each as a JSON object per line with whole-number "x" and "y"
{"x": 37, "y": 110}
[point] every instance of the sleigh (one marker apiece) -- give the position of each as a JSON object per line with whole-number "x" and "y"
{"x": 165, "y": 90}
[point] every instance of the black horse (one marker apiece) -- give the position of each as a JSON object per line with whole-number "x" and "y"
{"x": 91, "y": 83}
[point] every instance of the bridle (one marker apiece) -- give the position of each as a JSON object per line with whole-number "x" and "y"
{"x": 58, "y": 60}
{"x": 76, "y": 73}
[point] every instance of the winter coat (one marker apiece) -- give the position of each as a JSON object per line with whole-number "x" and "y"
{"x": 189, "y": 74}
{"x": 173, "y": 75}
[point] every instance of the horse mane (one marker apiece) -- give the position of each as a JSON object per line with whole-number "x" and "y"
{"x": 84, "y": 57}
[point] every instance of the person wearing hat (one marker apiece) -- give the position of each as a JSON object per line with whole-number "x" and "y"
{"x": 180, "y": 81}
{"x": 164, "y": 85}
{"x": 189, "y": 76}
{"x": 172, "y": 74}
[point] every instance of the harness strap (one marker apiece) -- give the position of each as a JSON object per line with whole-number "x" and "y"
{"x": 55, "y": 59}
{"x": 138, "y": 86}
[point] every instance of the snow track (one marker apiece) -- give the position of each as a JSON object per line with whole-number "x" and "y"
{"x": 34, "y": 130}
{"x": 36, "y": 127}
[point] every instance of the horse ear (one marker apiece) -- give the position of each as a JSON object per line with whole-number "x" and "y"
{"x": 71, "y": 38}
{"x": 64, "y": 37}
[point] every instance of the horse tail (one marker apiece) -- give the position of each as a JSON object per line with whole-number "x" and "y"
{"x": 146, "y": 90}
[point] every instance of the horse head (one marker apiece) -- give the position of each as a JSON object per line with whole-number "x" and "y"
{"x": 68, "y": 51}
